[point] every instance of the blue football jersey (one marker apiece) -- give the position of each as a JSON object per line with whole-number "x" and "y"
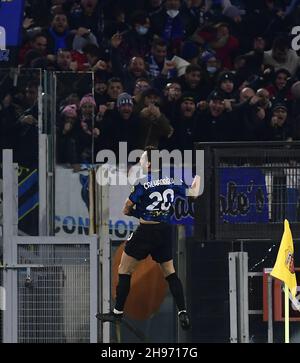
{"x": 154, "y": 196}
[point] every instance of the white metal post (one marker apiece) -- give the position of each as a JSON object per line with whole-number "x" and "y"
{"x": 10, "y": 229}
{"x": 104, "y": 252}
{"x": 270, "y": 310}
{"x": 43, "y": 162}
{"x": 232, "y": 256}
{"x": 93, "y": 291}
{"x": 243, "y": 296}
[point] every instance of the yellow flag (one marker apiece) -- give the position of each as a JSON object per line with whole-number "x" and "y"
{"x": 284, "y": 265}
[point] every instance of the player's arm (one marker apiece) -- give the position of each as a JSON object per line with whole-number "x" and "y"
{"x": 132, "y": 202}
{"x": 194, "y": 190}
{"x": 128, "y": 207}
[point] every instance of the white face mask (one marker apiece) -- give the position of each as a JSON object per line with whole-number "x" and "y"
{"x": 142, "y": 30}
{"x": 172, "y": 13}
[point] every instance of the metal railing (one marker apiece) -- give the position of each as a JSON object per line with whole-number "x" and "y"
{"x": 250, "y": 188}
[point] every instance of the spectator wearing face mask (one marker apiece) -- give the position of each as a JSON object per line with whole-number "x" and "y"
{"x": 174, "y": 24}
{"x": 137, "y": 41}
{"x": 211, "y": 69}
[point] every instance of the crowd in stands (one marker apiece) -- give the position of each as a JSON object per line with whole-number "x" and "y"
{"x": 166, "y": 73}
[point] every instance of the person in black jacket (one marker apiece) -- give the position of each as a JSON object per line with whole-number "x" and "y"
{"x": 279, "y": 126}
{"x": 216, "y": 122}
{"x": 119, "y": 125}
{"x": 137, "y": 41}
{"x": 185, "y": 124}
{"x": 174, "y": 24}
{"x": 226, "y": 86}
{"x": 136, "y": 67}
{"x": 192, "y": 82}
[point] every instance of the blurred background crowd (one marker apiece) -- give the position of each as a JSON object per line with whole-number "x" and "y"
{"x": 165, "y": 73}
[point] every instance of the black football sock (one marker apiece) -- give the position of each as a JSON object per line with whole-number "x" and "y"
{"x": 122, "y": 290}
{"x": 176, "y": 290}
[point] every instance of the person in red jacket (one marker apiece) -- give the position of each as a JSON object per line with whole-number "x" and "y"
{"x": 225, "y": 45}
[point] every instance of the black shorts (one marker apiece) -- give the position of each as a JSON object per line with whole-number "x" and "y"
{"x": 151, "y": 239}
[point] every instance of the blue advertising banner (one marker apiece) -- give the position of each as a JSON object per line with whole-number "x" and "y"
{"x": 243, "y": 196}
{"x": 11, "y": 19}
{"x": 183, "y": 210}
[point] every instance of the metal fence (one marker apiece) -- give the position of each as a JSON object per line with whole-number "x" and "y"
{"x": 50, "y": 282}
{"x": 54, "y": 300}
{"x": 250, "y": 189}
{"x": 53, "y": 290}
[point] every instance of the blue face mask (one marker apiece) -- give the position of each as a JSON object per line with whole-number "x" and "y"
{"x": 211, "y": 69}
{"x": 142, "y": 30}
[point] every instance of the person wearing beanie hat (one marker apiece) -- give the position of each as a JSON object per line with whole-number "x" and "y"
{"x": 69, "y": 116}
{"x": 224, "y": 76}
{"x": 206, "y": 56}
{"x": 210, "y": 63}
{"x": 187, "y": 97}
{"x": 226, "y": 85}
{"x": 87, "y": 107}
{"x": 211, "y": 68}
{"x": 233, "y": 13}
{"x": 215, "y": 95}
{"x": 280, "y": 105}
{"x": 279, "y": 127}
{"x": 120, "y": 125}
{"x": 89, "y": 127}
{"x": 184, "y": 123}
{"x": 87, "y": 99}
{"x": 70, "y": 111}
{"x": 67, "y": 142}
{"x": 151, "y": 95}
{"x": 124, "y": 99}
